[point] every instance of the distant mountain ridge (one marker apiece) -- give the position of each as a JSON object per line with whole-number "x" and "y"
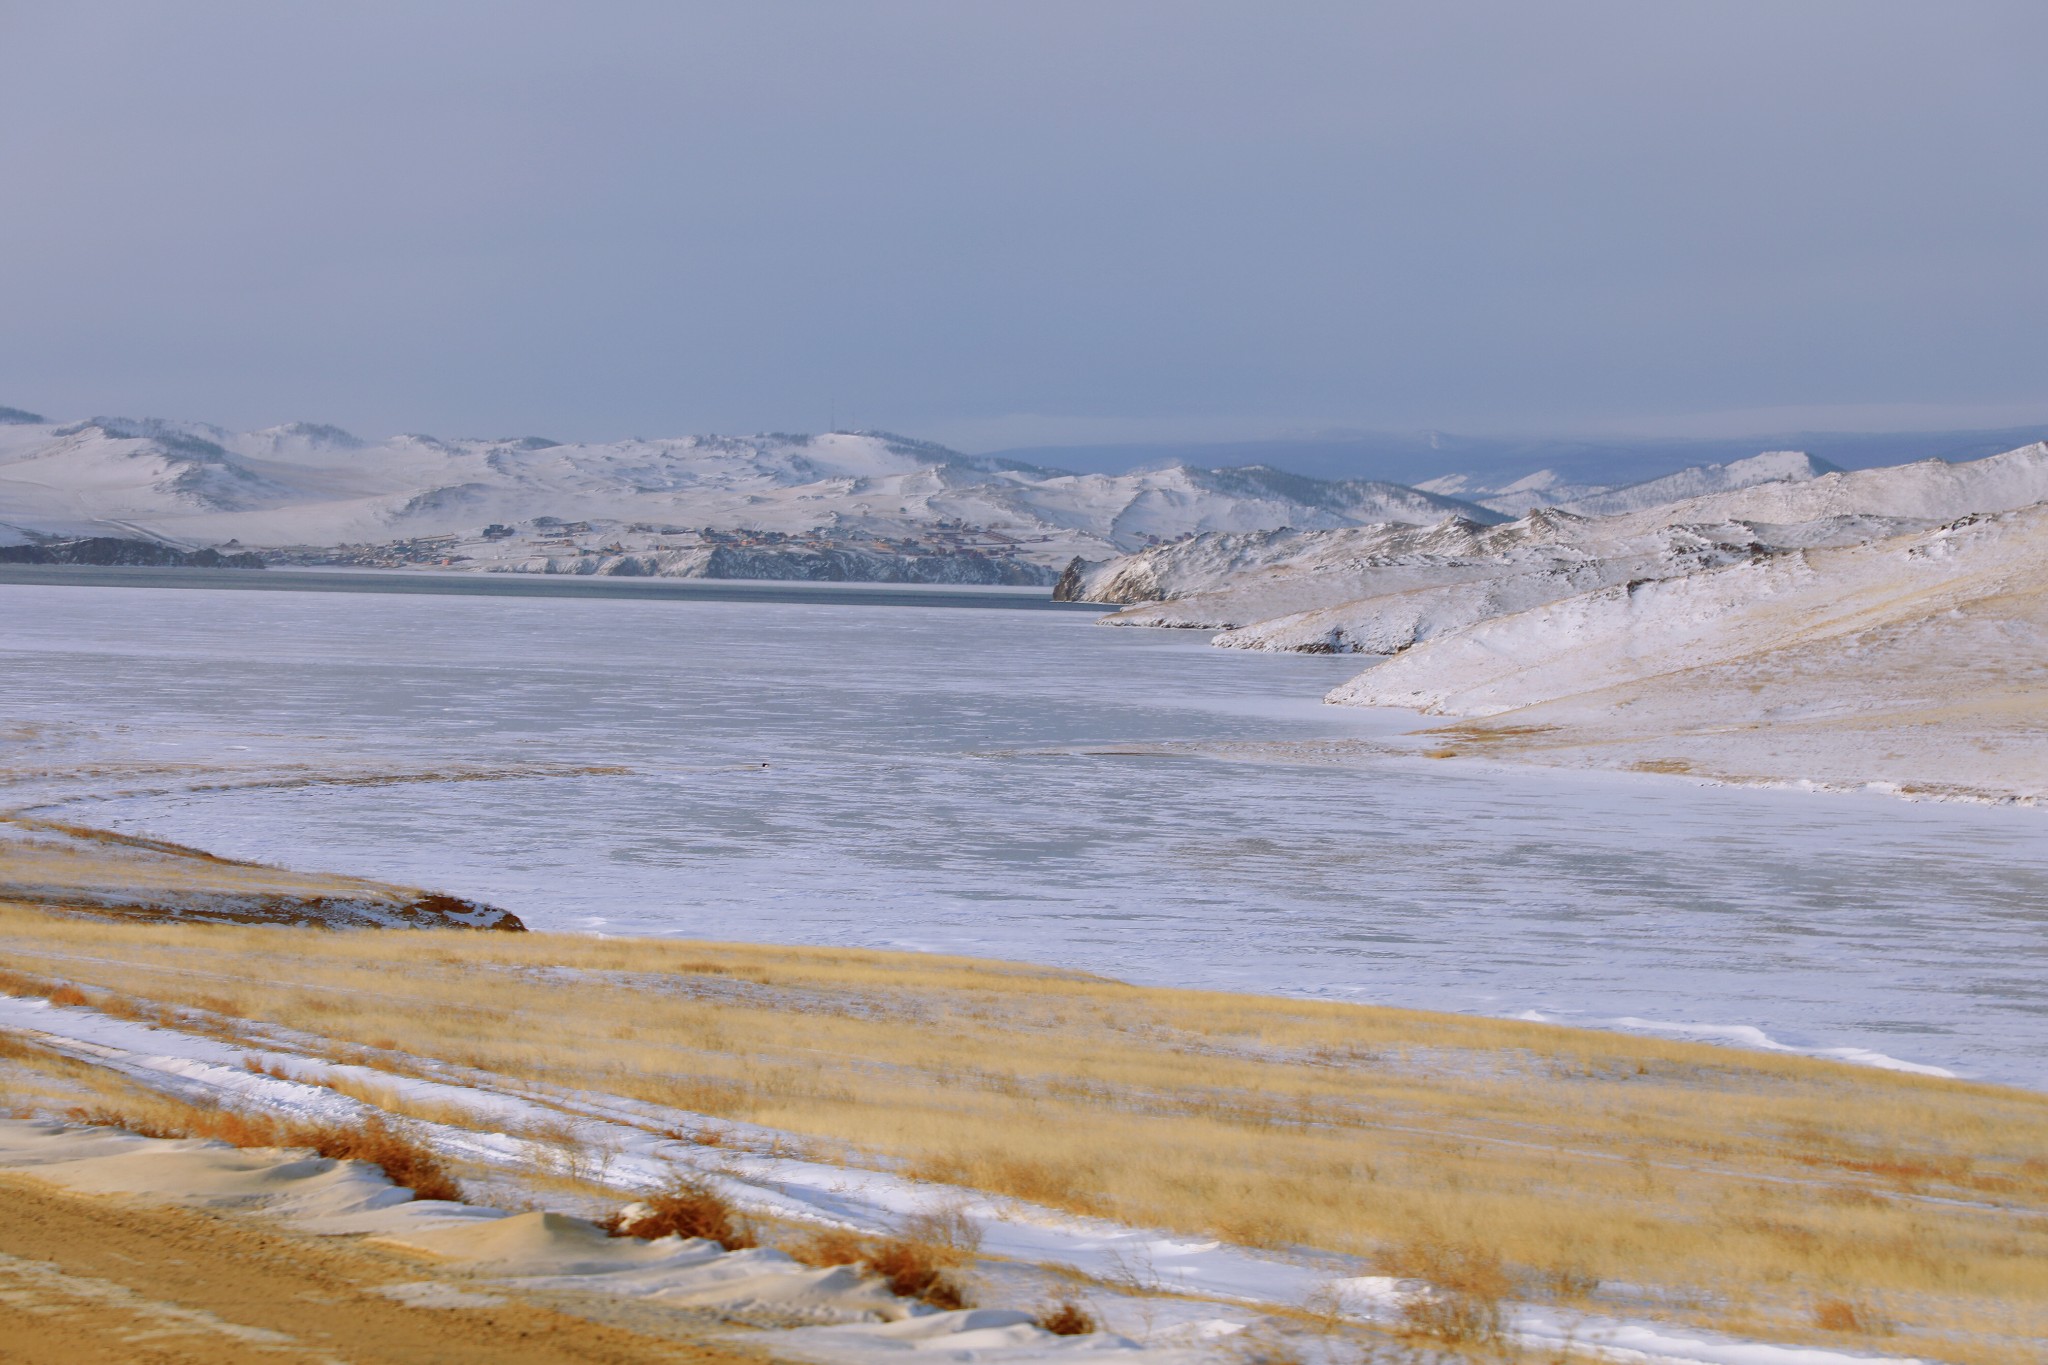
{"x": 1422, "y": 458}
{"x": 838, "y": 505}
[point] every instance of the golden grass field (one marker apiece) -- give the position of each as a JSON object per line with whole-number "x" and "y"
{"x": 1779, "y": 1197}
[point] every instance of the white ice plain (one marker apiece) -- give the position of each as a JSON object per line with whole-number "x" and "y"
{"x": 935, "y": 779}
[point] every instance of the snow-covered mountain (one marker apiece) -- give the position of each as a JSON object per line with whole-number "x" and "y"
{"x": 1777, "y": 621}
{"x": 1547, "y": 488}
{"x": 1773, "y": 466}
{"x": 837, "y": 505}
{"x": 1526, "y": 493}
{"x": 1380, "y": 590}
{"x": 1918, "y": 663}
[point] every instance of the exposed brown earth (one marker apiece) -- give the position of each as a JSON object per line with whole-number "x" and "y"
{"x": 86, "y": 1279}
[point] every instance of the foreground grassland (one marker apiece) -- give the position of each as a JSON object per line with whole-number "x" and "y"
{"x": 1771, "y": 1196}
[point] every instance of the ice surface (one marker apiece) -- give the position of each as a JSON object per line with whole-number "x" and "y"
{"x": 901, "y": 805}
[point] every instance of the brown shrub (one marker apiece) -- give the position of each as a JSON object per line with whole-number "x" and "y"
{"x": 685, "y": 1207}
{"x": 14, "y": 983}
{"x": 404, "y": 1159}
{"x": 99, "y": 1116}
{"x": 1066, "y": 1319}
{"x": 20, "y": 1050}
{"x": 125, "y": 1007}
{"x": 829, "y": 1246}
{"x": 1846, "y": 1315}
{"x": 1466, "y": 1286}
{"x": 916, "y": 1270}
{"x": 67, "y": 995}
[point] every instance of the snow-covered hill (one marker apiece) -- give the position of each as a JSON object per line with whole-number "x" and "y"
{"x": 837, "y": 505}
{"x": 1886, "y": 625}
{"x": 1773, "y": 466}
{"x": 1918, "y": 663}
{"x": 1380, "y": 590}
{"x": 1547, "y": 488}
{"x": 1513, "y": 497}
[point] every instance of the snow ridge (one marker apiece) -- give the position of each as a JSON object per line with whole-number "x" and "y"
{"x": 838, "y": 505}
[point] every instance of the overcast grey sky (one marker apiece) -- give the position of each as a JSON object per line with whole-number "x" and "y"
{"x": 1002, "y": 223}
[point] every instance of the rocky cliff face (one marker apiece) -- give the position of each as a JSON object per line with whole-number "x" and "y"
{"x": 806, "y": 564}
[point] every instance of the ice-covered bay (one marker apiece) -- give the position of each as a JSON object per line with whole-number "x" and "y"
{"x": 899, "y": 806}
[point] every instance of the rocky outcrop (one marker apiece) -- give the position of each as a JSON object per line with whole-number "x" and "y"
{"x": 1072, "y": 581}
{"x": 112, "y": 550}
{"x": 824, "y": 564}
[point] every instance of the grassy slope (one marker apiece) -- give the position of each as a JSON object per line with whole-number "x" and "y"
{"x": 1762, "y": 1194}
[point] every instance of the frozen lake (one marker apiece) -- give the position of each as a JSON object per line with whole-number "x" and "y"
{"x": 898, "y": 807}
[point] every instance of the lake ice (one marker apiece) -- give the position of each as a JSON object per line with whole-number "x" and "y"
{"x": 901, "y": 805}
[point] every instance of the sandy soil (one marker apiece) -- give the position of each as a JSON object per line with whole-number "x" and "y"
{"x": 85, "y": 1279}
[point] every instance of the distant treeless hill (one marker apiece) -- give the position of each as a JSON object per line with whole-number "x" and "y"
{"x": 1412, "y": 457}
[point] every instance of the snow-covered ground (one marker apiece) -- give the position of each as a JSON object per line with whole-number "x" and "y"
{"x": 1915, "y": 661}
{"x": 1022, "y": 785}
{"x": 1180, "y": 1299}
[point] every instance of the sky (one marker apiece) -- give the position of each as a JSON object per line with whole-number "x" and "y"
{"x": 1026, "y": 222}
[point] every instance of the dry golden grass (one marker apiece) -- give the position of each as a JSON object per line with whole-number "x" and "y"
{"x": 1745, "y": 1190}
{"x": 404, "y": 1159}
{"x": 914, "y": 1266}
{"x": 1065, "y": 1318}
{"x": 685, "y": 1207}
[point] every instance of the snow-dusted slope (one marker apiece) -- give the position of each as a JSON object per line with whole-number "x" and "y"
{"x": 843, "y": 504}
{"x": 1366, "y": 594}
{"x": 1919, "y": 662}
{"x": 1927, "y": 491}
{"x": 1773, "y": 466}
{"x": 1779, "y": 620}
{"x": 1381, "y": 590}
{"x": 1514, "y": 497}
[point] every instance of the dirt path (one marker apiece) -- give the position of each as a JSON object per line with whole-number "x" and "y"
{"x": 85, "y": 1280}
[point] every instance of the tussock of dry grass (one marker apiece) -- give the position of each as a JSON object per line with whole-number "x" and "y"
{"x": 404, "y": 1159}
{"x": 685, "y": 1207}
{"x": 914, "y": 1267}
{"x": 1743, "y": 1189}
{"x": 1466, "y": 1286}
{"x": 1065, "y": 1318}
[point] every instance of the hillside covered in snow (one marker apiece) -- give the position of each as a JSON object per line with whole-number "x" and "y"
{"x": 1884, "y": 626}
{"x": 836, "y": 506}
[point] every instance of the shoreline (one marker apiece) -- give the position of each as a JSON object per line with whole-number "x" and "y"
{"x": 207, "y": 888}
{"x": 459, "y": 583}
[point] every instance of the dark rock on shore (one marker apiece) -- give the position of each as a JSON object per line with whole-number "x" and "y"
{"x": 859, "y": 566}
{"x": 113, "y": 550}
